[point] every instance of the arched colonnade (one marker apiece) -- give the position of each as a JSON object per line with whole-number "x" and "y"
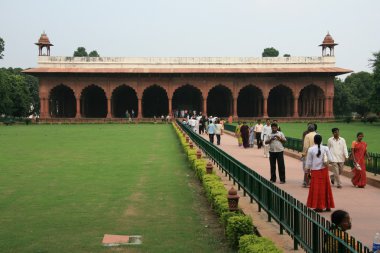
{"x": 92, "y": 101}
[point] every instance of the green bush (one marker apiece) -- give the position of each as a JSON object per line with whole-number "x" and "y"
{"x": 226, "y": 215}
{"x": 348, "y": 119}
{"x": 238, "y": 226}
{"x": 255, "y": 244}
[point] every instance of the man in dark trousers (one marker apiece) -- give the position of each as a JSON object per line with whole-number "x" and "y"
{"x": 276, "y": 139}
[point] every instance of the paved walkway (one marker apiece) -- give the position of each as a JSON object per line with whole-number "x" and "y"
{"x": 362, "y": 204}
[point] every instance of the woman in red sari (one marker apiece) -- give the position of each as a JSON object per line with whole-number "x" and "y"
{"x": 358, "y": 156}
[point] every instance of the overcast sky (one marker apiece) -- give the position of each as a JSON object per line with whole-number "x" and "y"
{"x": 172, "y": 28}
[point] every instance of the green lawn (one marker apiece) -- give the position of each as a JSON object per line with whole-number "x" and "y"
{"x": 64, "y": 186}
{"x": 347, "y": 131}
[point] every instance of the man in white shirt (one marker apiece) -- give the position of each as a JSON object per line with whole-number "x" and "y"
{"x": 338, "y": 149}
{"x": 258, "y": 130}
{"x": 266, "y": 131}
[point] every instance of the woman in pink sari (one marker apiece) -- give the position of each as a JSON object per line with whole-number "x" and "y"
{"x": 358, "y": 156}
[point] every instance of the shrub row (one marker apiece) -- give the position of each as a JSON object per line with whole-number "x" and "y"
{"x": 237, "y": 225}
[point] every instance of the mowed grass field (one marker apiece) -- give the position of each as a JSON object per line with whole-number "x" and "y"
{"x": 62, "y": 187}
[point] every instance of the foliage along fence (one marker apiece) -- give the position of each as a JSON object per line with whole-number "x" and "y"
{"x": 308, "y": 229}
{"x": 295, "y": 144}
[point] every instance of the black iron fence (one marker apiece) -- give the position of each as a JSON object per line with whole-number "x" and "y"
{"x": 308, "y": 229}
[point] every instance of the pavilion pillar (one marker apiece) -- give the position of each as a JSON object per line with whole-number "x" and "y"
{"x": 47, "y": 110}
{"x": 295, "y": 107}
{"x": 170, "y": 106}
{"x": 204, "y": 110}
{"x": 265, "y": 113}
{"x": 331, "y": 113}
{"x": 235, "y": 107}
{"x": 42, "y": 108}
{"x": 139, "y": 109}
{"x": 77, "y": 115}
{"x": 108, "y": 108}
{"x": 327, "y": 107}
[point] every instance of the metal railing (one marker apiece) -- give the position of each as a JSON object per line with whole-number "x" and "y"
{"x": 295, "y": 144}
{"x": 308, "y": 229}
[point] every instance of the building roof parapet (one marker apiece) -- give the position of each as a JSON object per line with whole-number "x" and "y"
{"x": 188, "y": 62}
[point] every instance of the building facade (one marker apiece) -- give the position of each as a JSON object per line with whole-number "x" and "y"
{"x": 244, "y": 87}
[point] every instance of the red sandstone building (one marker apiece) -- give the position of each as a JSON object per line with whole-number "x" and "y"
{"x": 83, "y": 88}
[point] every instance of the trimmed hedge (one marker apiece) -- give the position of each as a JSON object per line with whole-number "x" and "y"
{"x": 255, "y": 244}
{"x": 236, "y": 224}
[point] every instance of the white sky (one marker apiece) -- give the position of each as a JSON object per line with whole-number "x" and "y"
{"x": 172, "y": 28}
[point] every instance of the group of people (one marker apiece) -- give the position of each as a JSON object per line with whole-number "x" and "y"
{"x": 316, "y": 159}
{"x": 213, "y": 126}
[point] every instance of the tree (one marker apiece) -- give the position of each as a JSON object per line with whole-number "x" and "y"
{"x": 342, "y": 99}
{"x": 80, "y": 52}
{"x": 1, "y": 48}
{"x": 93, "y": 54}
{"x": 16, "y": 90}
{"x": 360, "y": 87}
{"x": 270, "y": 52}
{"x": 374, "y": 99}
{"x": 286, "y": 55}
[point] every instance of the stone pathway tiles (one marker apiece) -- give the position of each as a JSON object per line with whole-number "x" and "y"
{"x": 362, "y": 204}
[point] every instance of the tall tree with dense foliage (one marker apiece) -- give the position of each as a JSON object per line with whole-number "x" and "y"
{"x": 374, "y": 100}
{"x": 94, "y": 53}
{"x": 360, "y": 86}
{"x": 1, "y": 48}
{"x": 80, "y": 52}
{"x": 342, "y": 99}
{"x": 270, "y": 52}
{"x": 18, "y": 93}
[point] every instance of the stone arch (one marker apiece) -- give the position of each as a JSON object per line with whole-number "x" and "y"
{"x": 220, "y": 101}
{"x": 155, "y": 101}
{"x": 124, "y": 98}
{"x": 280, "y": 102}
{"x": 62, "y": 102}
{"x": 93, "y": 102}
{"x": 311, "y": 101}
{"x": 187, "y": 97}
{"x": 250, "y": 102}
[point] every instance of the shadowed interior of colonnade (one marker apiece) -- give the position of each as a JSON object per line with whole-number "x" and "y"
{"x": 155, "y": 102}
{"x": 250, "y": 102}
{"x": 280, "y": 102}
{"x": 62, "y": 102}
{"x": 220, "y": 102}
{"x": 124, "y": 98}
{"x": 188, "y": 98}
{"x": 311, "y": 101}
{"x": 93, "y": 102}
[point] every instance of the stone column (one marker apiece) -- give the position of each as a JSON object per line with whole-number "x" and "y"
{"x": 331, "y": 112}
{"x": 139, "y": 109}
{"x": 235, "y": 108}
{"x": 327, "y": 107}
{"x": 265, "y": 113}
{"x": 295, "y": 107}
{"x": 47, "y": 109}
{"x": 108, "y": 108}
{"x": 42, "y": 108}
{"x": 170, "y": 106}
{"x": 77, "y": 115}
{"x": 204, "y": 111}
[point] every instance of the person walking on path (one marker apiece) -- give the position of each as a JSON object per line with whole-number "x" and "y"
{"x": 338, "y": 149}
{"x": 211, "y": 131}
{"x": 251, "y": 136}
{"x": 320, "y": 194}
{"x": 358, "y": 156}
{"x": 308, "y": 142}
{"x": 258, "y": 130}
{"x": 244, "y": 132}
{"x": 218, "y": 131}
{"x": 266, "y": 131}
{"x": 238, "y": 134}
{"x": 276, "y": 153}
